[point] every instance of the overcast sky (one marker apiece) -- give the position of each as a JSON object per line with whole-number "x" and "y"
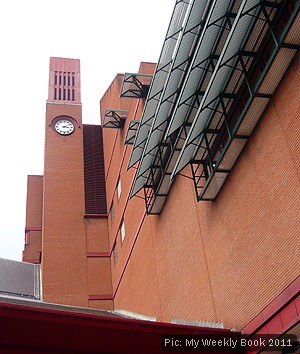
{"x": 109, "y": 37}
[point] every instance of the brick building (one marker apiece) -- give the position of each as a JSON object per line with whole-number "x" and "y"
{"x": 183, "y": 204}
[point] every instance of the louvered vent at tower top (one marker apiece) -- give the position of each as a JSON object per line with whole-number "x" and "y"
{"x": 64, "y": 86}
{"x": 64, "y": 81}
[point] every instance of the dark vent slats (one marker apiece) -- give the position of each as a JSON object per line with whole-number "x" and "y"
{"x": 94, "y": 175}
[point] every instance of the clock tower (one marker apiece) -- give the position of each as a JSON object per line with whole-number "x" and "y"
{"x": 66, "y": 216}
{"x": 64, "y": 265}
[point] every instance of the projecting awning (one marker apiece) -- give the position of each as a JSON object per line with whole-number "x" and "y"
{"x": 135, "y": 85}
{"x": 158, "y": 80}
{"x": 114, "y": 118}
{"x": 226, "y": 63}
{"x": 158, "y": 111}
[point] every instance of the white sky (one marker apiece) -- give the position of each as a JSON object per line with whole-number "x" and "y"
{"x": 109, "y": 37}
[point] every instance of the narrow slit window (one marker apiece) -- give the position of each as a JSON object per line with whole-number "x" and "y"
{"x": 119, "y": 188}
{"x": 122, "y": 230}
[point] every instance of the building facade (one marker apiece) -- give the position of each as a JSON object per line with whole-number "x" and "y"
{"x": 183, "y": 204}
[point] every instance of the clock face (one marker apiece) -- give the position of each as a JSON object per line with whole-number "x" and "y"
{"x": 64, "y": 127}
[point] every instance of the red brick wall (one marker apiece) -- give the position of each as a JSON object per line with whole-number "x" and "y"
{"x": 74, "y": 269}
{"x": 255, "y": 221}
{"x": 64, "y": 265}
{"x": 69, "y": 276}
{"x": 224, "y": 260}
{"x": 33, "y": 228}
{"x": 98, "y": 261}
{"x": 116, "y": 156}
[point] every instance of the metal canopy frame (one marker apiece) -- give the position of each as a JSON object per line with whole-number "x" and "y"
{"x": 200, "y": 18}
{"x": 240, "y": 53}
{"x": 131, "y": 132}
{"x": 114, "y": 118}
{"x": 234, "y": 113}
{"x": 159, "y": 79}
{"x": 135, "y": 85}
{"x": 193, "y": 22}
{"x": 204, "y": 61}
